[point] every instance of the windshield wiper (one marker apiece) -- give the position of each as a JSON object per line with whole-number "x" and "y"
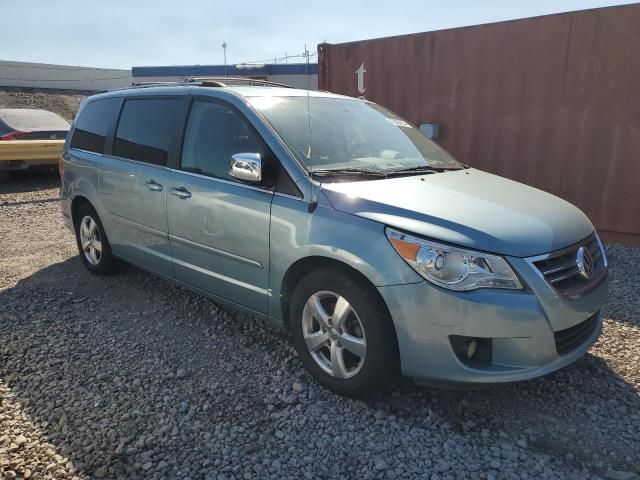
{"x": 420, "y": 169}
{"x": 347, "y": 172}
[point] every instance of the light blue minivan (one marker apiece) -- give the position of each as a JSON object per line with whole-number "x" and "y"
{"x": 332, "y": 216}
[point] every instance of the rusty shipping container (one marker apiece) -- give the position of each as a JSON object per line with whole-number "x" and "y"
{"x": 551, "y": 101}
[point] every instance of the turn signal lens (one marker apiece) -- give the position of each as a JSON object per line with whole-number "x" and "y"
{"x": 405, "y": 249}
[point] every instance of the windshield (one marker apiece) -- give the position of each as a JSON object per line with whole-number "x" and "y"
{"x": 343, "y": 134}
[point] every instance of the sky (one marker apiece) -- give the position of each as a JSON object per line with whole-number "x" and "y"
{"x": 121, "y": 34}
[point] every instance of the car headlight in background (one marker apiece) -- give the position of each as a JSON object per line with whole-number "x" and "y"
{"x": 451, "y": 267}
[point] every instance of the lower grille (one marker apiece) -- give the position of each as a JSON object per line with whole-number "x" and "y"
{"x": 569, "y": 339}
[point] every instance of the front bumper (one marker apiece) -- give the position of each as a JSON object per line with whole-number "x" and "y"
{"x": 521, "y": 325}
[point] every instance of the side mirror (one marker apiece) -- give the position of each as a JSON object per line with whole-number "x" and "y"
{"x": 246, "y": 167}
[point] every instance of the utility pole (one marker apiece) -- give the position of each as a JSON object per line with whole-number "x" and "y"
{"x": 224, "y": 51}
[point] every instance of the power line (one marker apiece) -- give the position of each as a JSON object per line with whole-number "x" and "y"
{"x": 278, "y": 59}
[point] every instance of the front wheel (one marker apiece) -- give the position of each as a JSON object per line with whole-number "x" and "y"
{"x": 343, "y": 333}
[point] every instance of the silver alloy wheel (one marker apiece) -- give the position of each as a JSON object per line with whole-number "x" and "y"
{"x": 90, "y": 240}
{"x": 334, "y": 334}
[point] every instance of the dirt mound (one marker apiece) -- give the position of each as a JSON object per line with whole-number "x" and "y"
{"x": 64, "y": 103}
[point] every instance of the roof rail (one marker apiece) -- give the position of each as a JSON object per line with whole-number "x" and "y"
{"x": 148, "y": 85}
{"x": 206, "y": 82}
{"x": 227, "y": 81}
{"x": 153, "y": 84}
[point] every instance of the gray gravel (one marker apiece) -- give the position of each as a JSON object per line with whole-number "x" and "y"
{"x": 130, "y": 377}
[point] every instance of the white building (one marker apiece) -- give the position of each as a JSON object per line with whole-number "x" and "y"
{"x": 66, "y": 77}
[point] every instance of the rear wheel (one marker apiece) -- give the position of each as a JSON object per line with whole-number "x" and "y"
{"x": 5, "y": 176}
{"x": 93, "y": 245}
{"x": 343, "y": 333}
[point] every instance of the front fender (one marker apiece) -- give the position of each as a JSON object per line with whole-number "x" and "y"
{"x": 357, "y": 242}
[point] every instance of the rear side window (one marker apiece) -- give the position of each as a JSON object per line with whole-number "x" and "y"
{"x": 91, "y": 128}
{"x": 147, "y": 130}
{"x": 214, "y": 134}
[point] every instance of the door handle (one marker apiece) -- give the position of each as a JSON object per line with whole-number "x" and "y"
{"x": 153, "y": 185}
{"x": 180, "y": 192}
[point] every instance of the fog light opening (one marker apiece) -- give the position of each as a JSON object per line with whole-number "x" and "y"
{"x": 472, "y": 351}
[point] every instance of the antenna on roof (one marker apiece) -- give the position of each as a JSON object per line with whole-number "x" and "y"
{"x": 309, "y": 154}
{"x": 306, "y": 54}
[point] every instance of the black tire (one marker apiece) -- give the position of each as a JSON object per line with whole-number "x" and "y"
{"x": 5, "y": 176}
{"x": 380, "y": 364}
{"x": 105, "y": 261}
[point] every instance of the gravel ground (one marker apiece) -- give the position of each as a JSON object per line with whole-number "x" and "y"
{"x": 130, "y": 377}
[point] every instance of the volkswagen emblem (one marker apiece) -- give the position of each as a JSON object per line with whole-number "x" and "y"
{"x": 53, "y": 136}
{"x": 584, "y": 262}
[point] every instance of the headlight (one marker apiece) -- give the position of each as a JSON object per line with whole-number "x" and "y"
{"x": 451, "y": 267}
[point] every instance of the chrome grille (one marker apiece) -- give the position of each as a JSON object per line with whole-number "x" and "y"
{"x": 561, "y": 269}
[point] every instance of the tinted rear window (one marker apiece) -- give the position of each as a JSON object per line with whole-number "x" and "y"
{"x": 147, "y": 130}
{"x": 91, "y": 128}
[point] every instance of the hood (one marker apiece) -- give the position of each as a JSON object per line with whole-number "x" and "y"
{"x": 469, "y": 208}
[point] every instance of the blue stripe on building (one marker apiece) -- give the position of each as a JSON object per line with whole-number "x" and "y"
{"x": 218, "y": 70}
